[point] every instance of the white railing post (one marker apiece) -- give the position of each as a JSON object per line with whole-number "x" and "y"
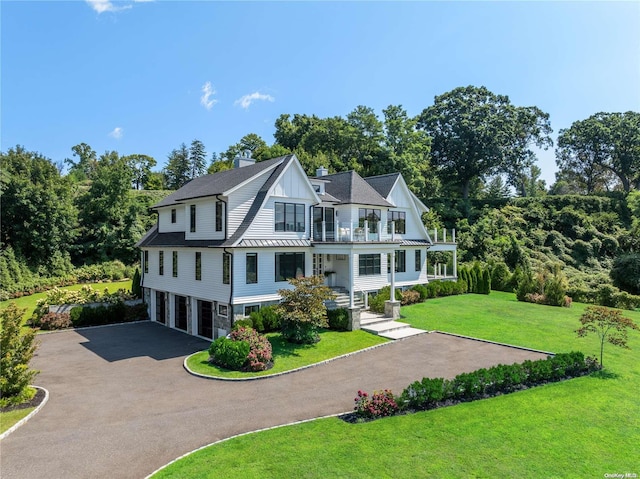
{"x": 435, "y": 235}
{"x": 366, "y": 230}
{"x": 444, "y": 235}
{"x": 393, "y": 231}
{"x": 324, "y": 231}
{"x": 351, "y": 232}
{"x": 453, "y": 234}
{"x": 445, "y": 270}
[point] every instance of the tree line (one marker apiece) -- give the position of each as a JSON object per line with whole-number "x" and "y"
{"x": 470, "y": 144}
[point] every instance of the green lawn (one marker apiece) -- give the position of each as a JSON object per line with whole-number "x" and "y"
{"x": 585, "y": 427}
{"x": 29, "y": 302}
{"x": 8, "y": 419}
{"x": 292, "y": 356}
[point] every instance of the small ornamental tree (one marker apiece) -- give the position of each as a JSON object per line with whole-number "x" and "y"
{"x": 16, "y": 350}
{"x": 136, "y": 289}
{"x": 608, "y": 324}
{"x": 303, "y": 310}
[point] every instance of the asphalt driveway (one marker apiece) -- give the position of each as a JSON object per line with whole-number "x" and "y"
{"x": 121, "y": 405}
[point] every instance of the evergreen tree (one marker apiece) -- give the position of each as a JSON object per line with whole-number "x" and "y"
{"x": 197, "y": 159}
{"x": 178, "y": 169}
{"x": 16, "y": 350}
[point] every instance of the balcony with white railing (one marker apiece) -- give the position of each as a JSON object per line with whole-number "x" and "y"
{"x": 442, "y": 235}
{"x": 354, "y": 232}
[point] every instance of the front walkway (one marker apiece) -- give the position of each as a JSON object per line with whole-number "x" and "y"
{"x": 121, "y": 404}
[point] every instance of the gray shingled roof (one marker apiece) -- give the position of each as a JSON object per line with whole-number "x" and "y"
{"x": 174, "y": 239}
{"x": 218, "y": 183}
{"x": 383, "y": 183}
{"x": 350, "y": 188}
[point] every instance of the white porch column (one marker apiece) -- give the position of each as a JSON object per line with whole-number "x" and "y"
{"x": 455, "y": 262}
{"x": 392, "y": 296}
{"x": 351, "y": 286}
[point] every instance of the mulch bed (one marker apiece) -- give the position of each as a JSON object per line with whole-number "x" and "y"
{"x": 35, "y": 402}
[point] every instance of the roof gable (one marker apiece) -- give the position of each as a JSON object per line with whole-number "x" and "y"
{"x": 383, "y": 184}
{"x": 350, "y": 188}
{"x": 218, "y": 183}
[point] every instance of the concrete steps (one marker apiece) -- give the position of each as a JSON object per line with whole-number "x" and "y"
{"x": 386, "y": 327}
{"x": 342, "y": 300}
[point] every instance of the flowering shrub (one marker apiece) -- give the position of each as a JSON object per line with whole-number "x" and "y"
{"x": 260, "y": 355}
{"x": 380, "y": 404}
{"x": 51, "y": 321}
{"x": 410, "y": 297}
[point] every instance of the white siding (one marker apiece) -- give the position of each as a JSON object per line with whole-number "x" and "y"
{"x": 209, "y": 288}
{"x": 292, "y": 187}
{"x": 370, "y": 282}
{"x": 267, "y": 287}
{"x": 401, "y": 197}
{"x": 240, "y": 201}
{"x": 205, "y": 220}
{"x": 164, "y": 219}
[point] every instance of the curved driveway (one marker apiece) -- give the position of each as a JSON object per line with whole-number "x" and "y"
{"x": 121, "y": 404}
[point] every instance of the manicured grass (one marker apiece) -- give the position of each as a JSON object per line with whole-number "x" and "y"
{"x": 29, "y": 302}
{"x": 8, "y": 419}
{"x": 289, "y": 356}
{"x": 584, "y": 427}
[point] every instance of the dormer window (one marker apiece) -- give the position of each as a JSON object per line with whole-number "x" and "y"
{"x": 316, "y": 188}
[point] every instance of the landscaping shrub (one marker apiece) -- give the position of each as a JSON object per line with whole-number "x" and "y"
{"x": 228, "y": 353}
{"x": 338, "y": 319}
{"x": 260, "y": 355}
{"x": 422, "y": 291}
{"x": 625, "y": 273}
{"x": 16, "y": 350}
{"x": 433, "y": 392}
{"x": 300, "y": 333}
{"x": 266, "y": 320}
{"x": 410, "y": 297}
{"x": 52, "y": 321}
{"x": 243, "y": 323}
{"x": 376, "y": 303}
{"x": 500, "y": 277}
{"x": 380, "y": 404}
{"x": 108, "y": 314}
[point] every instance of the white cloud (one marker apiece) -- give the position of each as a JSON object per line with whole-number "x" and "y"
{"x": 116, "y": 133}
{"x": 246, "y": 101}
{"x": 207, "y": 92}
{"x": 102, "y": 6}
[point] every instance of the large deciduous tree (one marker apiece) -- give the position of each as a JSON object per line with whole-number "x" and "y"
{"x": 141, "y": 168}
{"x": 109, "y": 218}
{"x": 38, "y": 216}
{"x": 603, "y": 144}
{"x": 476, "y": 133}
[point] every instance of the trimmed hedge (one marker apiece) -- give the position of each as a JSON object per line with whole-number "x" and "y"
{"x": 338, "y": 319}
{"x": 111, "y": 314}
{"x": 501, "y": 379}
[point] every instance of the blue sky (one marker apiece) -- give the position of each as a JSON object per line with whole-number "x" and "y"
{"x": 145, "y": 76}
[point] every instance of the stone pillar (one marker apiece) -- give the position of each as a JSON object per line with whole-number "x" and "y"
{"x": 392, "y": 309}
{"x": 354, "y": 319}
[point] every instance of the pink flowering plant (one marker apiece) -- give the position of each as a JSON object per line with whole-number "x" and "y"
{"x": 379, "y": 404}
{"x": 260, "y": 355}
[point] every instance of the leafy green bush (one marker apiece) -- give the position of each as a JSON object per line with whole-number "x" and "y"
{"x": 376, "y": 303}
{"x": 500, "y": 277}
{"x": 16, "y": 350}
{"x": 243, "y": 323}
{"x": 228, "y": 353}
{"x": 266, "y": 319}
{"x": 338, "y": 319}
{"x": 422, "y": 291}
{"x": 432, "y": 392}
{"x": 300, "y": 333}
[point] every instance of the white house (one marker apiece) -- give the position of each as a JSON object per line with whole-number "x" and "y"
{"x": 224, "y": 244}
